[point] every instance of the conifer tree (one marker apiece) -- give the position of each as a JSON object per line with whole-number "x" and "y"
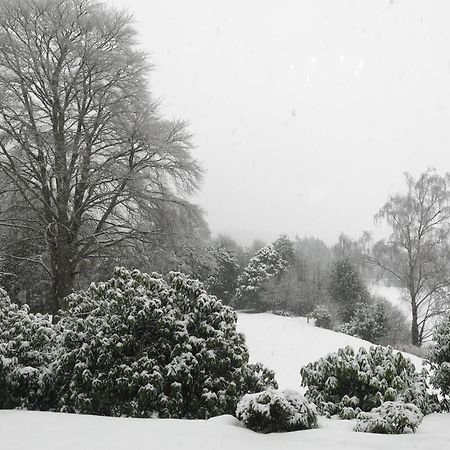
{"x": 346, "y": 288}
{"x": 266, "y": 264}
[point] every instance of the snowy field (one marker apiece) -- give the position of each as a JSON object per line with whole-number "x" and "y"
{"x": 23, "y": 430}
{"x": 284, "y": 344}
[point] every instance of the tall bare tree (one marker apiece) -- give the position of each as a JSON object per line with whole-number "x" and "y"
{"x": 417, "y": 252}
{"x": 81, "y": 143}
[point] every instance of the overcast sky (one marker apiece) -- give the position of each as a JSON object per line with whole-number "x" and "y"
{"x": 305, "y": 114}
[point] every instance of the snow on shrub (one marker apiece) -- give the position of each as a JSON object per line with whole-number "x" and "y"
{"x": 26, "y": 344}
{"x": 322, "y": 317}
{"x": 390, "y": 418}
{"x": 140, "y": 346}
{"x": 346, "y": 383}
{"x": 265, "y": 265}
{"x": 439, "y": 358}
{"x": 367, "y": 322}
{"x": 273, "y": 411}
{"x": 257, "y": 377}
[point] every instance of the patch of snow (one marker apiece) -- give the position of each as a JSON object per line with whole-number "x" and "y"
{"x": 226, "y": 420}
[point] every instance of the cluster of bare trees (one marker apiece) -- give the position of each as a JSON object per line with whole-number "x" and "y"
{"x": 86, "y": 162}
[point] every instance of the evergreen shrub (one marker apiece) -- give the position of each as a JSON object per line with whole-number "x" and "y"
{"x": 273, "y": 411}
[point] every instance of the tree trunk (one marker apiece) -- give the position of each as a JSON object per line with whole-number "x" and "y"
{"x": 414, "y": 326}
{"x": 62, "y": 284}
{"x": 63, "y": 269}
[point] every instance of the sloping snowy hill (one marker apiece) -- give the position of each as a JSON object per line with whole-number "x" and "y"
{"x": 285, "y": 344}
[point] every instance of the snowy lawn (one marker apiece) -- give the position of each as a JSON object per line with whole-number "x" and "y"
{"x": 282, "y": 343}
{"x": 285, "y": 344}
{"x": 23, "y": 430}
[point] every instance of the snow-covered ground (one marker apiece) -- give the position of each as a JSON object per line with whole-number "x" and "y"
{"x": 284, "y": 344}
{"x": 22, "y": 430}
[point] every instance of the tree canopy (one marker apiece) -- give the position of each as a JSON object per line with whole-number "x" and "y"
{"x": 84, "y": 153}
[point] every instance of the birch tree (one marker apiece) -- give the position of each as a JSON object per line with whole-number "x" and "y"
{"x": 417, "y": 253}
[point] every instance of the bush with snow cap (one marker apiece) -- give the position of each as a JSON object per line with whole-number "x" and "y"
{"x": 274, "y": 411}
{"x": 322, "y": 317}
{"x": 26, "y": 345}
{"x": 439, "y": 358}
{"x": 140, "y": 346}
{"x": 347, "y": 383}
{"x": 390, "y": 418}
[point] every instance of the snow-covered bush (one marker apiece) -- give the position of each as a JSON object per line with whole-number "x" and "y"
{"x": 344, "y": 380}
{"x": 367, "y": 322}
{"x": 140, "y": 346}
{"x": 439, "y": 358}
{"x": 26, "y": 344}
{"x": 379, "y": 322}
{"x": 273, "y": 411}
{"x": 257, "y": 377}
{"x": 266, "y": 264}
{"x": 390, "y": 418}
{"x": 322, "y": 317}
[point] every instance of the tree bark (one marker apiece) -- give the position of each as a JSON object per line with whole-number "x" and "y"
{"x": 62, "y": 265}
{"x": 414, "y": 326}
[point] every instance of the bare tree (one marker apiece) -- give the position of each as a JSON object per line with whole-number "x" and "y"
{"x": 81, "y": 141}
{"x": 417, "y": 253}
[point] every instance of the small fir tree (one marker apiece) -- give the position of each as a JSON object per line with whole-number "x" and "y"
{"x": 285, "y": 248}
{"x": 266, "y": 264}
{"x": 346, "y": 288}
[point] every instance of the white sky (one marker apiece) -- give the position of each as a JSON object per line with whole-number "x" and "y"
{"x": 305, "y": 114}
